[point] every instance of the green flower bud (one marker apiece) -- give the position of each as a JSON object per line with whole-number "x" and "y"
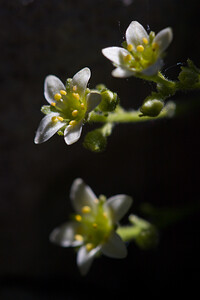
{"x": 109, "y": 101}
{"x": 147, "y": 238}
{"x": 188, "y": 77}
{"x": 100, "y": 87}
{"x": 95, "y": 141}
{"x": 152, "y": 108}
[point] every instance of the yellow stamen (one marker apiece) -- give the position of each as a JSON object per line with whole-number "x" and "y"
{"x": 76, "y": 96}
{"x": 129, "y": 47}
{"x": 89, "y": 246}
{"x": 145, "y": 41}
{"x": 78, "y": 237}
{"x": 105, "y": 215}
{"x": 155, "y": 46}
{"x": 140, "y": 48}
{"x": 60, "y": 119}
{"x": 86, "y": 209}
{"x": 94, "y": 225}
{"x": 127, "y": 58}
{"x": 75, "y": 113}
{"x": 54, "y": 119}
{"x": 78, "y": 218}
{"x": 57, "y": 97}
{"x": 82, "y": 106}
{"x": 53, "y": 103}
{"x": 63, "y": 92}
{"x": 73, "y": 123}
{"x": 74, "y": 88}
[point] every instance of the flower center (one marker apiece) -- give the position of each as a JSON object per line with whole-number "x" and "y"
{"x": 143, "y": 55}
{"x": 95, "y": 225}
{"x": 70, "y": 106}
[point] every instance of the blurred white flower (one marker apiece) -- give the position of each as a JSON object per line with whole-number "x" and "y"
{"x": 94, "y": 225}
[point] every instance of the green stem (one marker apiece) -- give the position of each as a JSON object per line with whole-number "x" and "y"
{"x": 123, "y": 116}
{"x": 128, "y": 233}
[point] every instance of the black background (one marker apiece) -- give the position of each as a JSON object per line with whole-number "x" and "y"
{"x": 155, "y": 162}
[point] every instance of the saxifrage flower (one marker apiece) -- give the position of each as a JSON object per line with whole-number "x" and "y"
{"x": 93, "y": 228}
{"x": 69, "y": 107}
{"x": 142, "y": 52}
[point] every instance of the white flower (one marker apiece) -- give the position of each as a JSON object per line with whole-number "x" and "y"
{"x": 94, "y": 225}
{"x": 69, "y": 107}
{"x": 142, "y": 52}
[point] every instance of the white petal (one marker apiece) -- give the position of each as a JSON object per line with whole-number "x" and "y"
{"x": 73, "y": 133}
{"x": 122, "y": 73}
{"x": 47, "y": 128}
{"x": 164, "y": 38}
{"x": 114, "y": 247}
{"x": 93, "y": 100}
{"x": 52, "y": 86}
{"x": 80, "y": 80}
{"x": 135, "y": 33}
{"x": 115, "y": 54}
{"x": 82, "y": 195}
{"x": 64, "y": 235}
{"x": 118, "y": 206}
{"x": 85, "y": 258}
{"x": 153, "y": 69}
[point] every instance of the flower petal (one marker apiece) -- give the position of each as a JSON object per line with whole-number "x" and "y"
{"x": 122, "y": 73}
{"x": 82, "y": 195}
{"x": 52, "y": 86}
{"x": 72, "y": 133}
{"x": 114, "y": 247}
{"x": 115, "y": 54}
{"x": 164, "y": 38}
{"x": 85, "y": 258}
{"x": 93, "y": 100}
{"x": 153, "y": 69}
{"x": 64, "y": 235}
{"x": 118, "y": 206}
{"x": 80, "y": 80}
{"x": 47, "y": 128}
{"x": 135, "y": 34}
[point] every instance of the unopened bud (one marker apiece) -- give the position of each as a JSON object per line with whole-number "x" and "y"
{"x": 152, "y": 108}
{"x": 109, "y": 101}
{"x": 95, "y": 141}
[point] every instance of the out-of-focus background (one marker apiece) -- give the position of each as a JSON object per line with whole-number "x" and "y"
{"x": 155, "y": 162}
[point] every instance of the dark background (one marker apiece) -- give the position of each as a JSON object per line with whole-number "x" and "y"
{"x": 155, "y": 162}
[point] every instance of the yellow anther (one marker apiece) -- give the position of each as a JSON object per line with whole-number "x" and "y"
{"x": 105, "y": 215}
{"x": 57, "y": 97}
{"x": 89, "y": 246}
{"x": 78, "y": 218}
{"x": 78, "y": 237}
{"x": 60, "y": 119}
{"x": 145, "y": 41}
{"x": 74, "y": 88}
{"x": 75, "y": 113}
{"x": 76, "y": 96}
{"x": 54, "y": 119}
{"x": 73, "y": 123}
{"x": 82, "y": 106}
{"x": 94, "y": 225}
{"x": 127, "y": 58}
{"x": 155, "y": 46}
{"x": 63, "y": 92}
{"x": 53, "y": 103}
{"x": 86, "y": 209}
{"x": 129, "y": 47}
{"x": 140, "y": 48}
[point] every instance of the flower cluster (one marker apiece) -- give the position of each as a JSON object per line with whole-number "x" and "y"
{"x": 69, "y": 107}
{"x": 142, "y": 52}
{"x": 93, "y": 229}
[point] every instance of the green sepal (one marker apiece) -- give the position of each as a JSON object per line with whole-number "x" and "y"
{"x": 189, "y": 76}
{"x": 47, "y": 109}
{"x": 95, "y": 141}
